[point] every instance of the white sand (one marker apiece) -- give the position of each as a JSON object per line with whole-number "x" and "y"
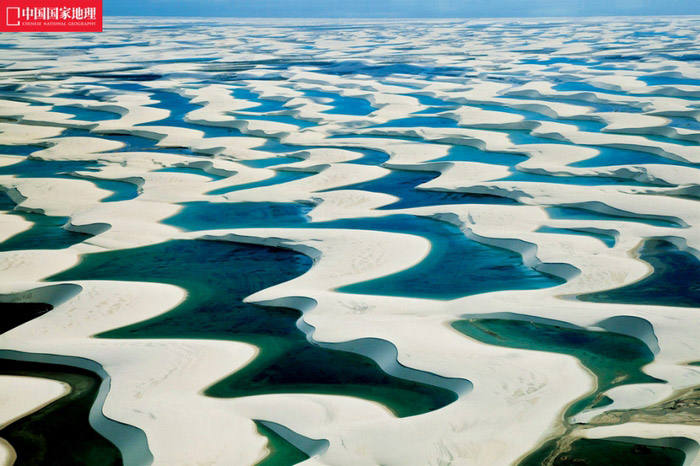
{"x": 509, "y": 400}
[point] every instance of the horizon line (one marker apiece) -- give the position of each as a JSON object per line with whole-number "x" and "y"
{"x": 408, "y": 17}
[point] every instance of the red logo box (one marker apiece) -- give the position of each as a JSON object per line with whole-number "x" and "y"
{"x": 51, "y": 15}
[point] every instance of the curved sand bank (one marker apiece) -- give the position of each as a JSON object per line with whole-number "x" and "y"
{"x": 21, "y": 397}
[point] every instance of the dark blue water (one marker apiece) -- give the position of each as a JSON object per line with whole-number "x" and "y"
{"x": 417, "y": 121}
{"x": 212, "y": 273}
{"x": 599, "y": 180}
{"x": 179, "y": 107}
{"x": 86, "y": 114}
{"x": 648, "y": 80}
{"x": 472, "y": 154}
{"x": 122, "y": 191}
{"x": 46, "y": 233}
{"x": 590, "y": 126}
{"x": 136, "y": 143}
{"x": 281, "y": 451}
{"x": 403, "y": 183}
{"x": 586, "y": 87}
{"x": 35, "y": 168}
{"x": 24, "y": 149}
{"x": 582, "y": 125}
{"x": 685, "y": 123}
{"x": 277, "y": 147}
{"x": 556, "y": 60}
{"x": 674, "y": 282}
{"x": 456, "y": 266}
{"x": 132, "y": 143}
{"x": 290, "y": 120}
{"x": 270, "y": 162}
{"x": 668, "y": 81}
{"x": 191, "y": 171}
{"x": 525, "y": 137}
{"x": 611, "y": 156}
{"x": 350, "y": 136}
{"x": 433, "y": 102}
{"x": 282, "y": 176}
{"x": 264, "y": 105}
{"x": 580, "y": 213}
{"x": 597, "y": 106}
{"x": 106, "y": 46}
{"x": 214, "y": 215}
{"x": 433, "y": 110}
{"x": 343, "y": 105}
{"x": 609, "y": 240}
{"x": 667, "y": 140}
{"x": 370, "y": 157}
{"x": 80, "y": 94}
{"x": 577, "y": 86}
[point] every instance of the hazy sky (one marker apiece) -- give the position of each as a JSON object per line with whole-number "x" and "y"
{"x": 399, "y": 8}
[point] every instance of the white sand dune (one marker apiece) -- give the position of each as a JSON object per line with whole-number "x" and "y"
{"x": 257, "y": 102}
